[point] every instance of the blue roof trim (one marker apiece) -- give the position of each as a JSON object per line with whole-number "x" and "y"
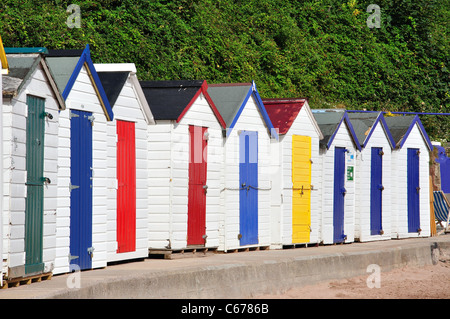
{"x": 351, "y": 129}
{"x": 253, "y": 91}
{"x": 272, "y": 130}
{"x": 422, "y": 130}
{"x": 241, "y": 108}
{"x": 86, "y": 58}
{"x": 381, "y": 119}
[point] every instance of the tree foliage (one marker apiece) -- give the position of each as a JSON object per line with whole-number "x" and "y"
{"x": 322, "y": 50}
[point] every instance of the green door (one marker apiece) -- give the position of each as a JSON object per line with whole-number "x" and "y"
{"x": 34, "y": 205}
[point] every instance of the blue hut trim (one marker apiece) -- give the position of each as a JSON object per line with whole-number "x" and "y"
{"x": 253, "y": 91}
{"x": 85, "y": 60}
{"x": 381, "y": 119}
{"x": 422, "y": 131}
{"x": 350, "y": 128}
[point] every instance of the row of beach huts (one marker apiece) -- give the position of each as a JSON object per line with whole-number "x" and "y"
{"x": 99, "y": 167}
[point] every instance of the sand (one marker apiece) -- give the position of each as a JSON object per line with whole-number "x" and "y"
{"x": 428, "y": 282}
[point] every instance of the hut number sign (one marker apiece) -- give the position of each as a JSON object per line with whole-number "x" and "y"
{"x": 350, "y": 165}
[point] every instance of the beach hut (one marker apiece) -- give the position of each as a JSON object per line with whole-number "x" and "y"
{"x": 246, "y": 190}
{"x": 296, "y": 173}
{"x": 2, "y": 57}
{"x": 82, "y": 162}
{"x": 127, "y": 182}
{"x": 373, "y": 176}
{"x": 30, "y": 111}
{"x": 410, "y": 177}
{"x": 338, "y": 152}
{"x": 184, "y": 167}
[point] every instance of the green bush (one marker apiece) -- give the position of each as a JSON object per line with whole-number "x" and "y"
{"x": 322, "y": 50}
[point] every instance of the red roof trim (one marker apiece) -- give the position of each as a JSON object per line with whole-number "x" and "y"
{"x": 203, "y": 89}
{"x": 283, "y": 112}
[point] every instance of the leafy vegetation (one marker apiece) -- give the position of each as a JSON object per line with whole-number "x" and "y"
{"x": 322, "y": 49}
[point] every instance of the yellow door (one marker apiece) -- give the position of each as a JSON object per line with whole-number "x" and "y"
{"x": 301, "y": 194}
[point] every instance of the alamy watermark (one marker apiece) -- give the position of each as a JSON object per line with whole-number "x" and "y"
{"x": 74, "y": 20}
{"x": 374, "y": 279}
{"x": 374, "y": 20}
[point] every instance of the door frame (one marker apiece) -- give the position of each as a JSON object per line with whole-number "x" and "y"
{"x": 81, "y": 199}
{"x": 248, "y": 188}
{"x": 339, "y": 192}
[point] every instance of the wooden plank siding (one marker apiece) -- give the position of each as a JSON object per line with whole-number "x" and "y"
{"x": 15, "y": 176}
{"x": 304, "y": 126}
{"x": 127, "y": 108}
{"x": 249, "y": 120}
{"x": 341, "y": 139}
{"x": 83, "y": 97}
{"x": 399, "y": 184}
{"x": 168, "y": 171}
{"x": 362, "y": 177}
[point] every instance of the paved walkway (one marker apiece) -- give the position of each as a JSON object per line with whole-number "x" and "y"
{"x": 234, "y": 275}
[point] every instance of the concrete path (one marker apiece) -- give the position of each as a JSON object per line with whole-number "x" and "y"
{"x": 235, "y": 275}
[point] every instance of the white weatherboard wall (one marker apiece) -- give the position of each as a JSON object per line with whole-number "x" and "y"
{"x": 363, "y": 174}
{"x": 127, "y": 108}
{"x": 341, "y": 139}
{"x": 82, "y": 97}
{"x": 15, "y": 176}
{"x": 303, "y": 125}
{"x": 249, "y": 120}
{"x": 1, "y": 176}
{"x": 399, "y": 184}
{"x": 168, "y": 172}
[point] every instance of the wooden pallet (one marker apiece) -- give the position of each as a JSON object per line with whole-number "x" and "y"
{"x": 182, "y": 253}
{"x": 16, "y": 282}
{"x": 292, "y": 246}
{"x": 245, "y": 249}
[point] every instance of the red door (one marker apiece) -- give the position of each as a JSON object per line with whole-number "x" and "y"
{"x": 197, "y": 186}
{"x": 126, "y": 191}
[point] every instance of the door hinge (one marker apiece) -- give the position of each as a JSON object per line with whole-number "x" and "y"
{"x": 71, "y": 114}
{"x": 72, "y": 257}
{"x": 73, "y": 187}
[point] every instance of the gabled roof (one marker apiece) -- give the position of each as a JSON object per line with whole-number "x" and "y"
{"x": 283, "y": 112}
{"x": 21, "y": 68}
{"x": 114, "y": 76}
{"x": 3, "y": 58}
{"x": 170, "y": 100}
{"x": 401, "y": 126}
{"x": 364, "y": 125}
{"x": 329, "y": 122}
{"x": 231, "y": 99}
{"x": 66, "y": 65}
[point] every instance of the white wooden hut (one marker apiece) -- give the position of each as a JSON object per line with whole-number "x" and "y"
{"x": 2, "y": 57}
{"x": 3, "y": 70}
{"x": 184, "y": 166}
{"x": 82, "y": 162}
{"x": 410, "y": 177}
{"x": 30, "y": 111}
{"x": 296, "y": 173}
{"x": 127, "y": 182}
{"x": 373, "y": 176}
{"x": 338, "y": 152}
{"x": 246, "y": 189}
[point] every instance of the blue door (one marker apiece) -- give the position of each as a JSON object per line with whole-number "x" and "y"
{"x": 413, "y": 190}
{"x": 81, "y": 189}
{"x": 339, "y": 194}
{"x": 376, "y": 189}
{"x": 248, "y": 181}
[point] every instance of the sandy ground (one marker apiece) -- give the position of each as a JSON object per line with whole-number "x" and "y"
{"x": 429, "y": 282}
